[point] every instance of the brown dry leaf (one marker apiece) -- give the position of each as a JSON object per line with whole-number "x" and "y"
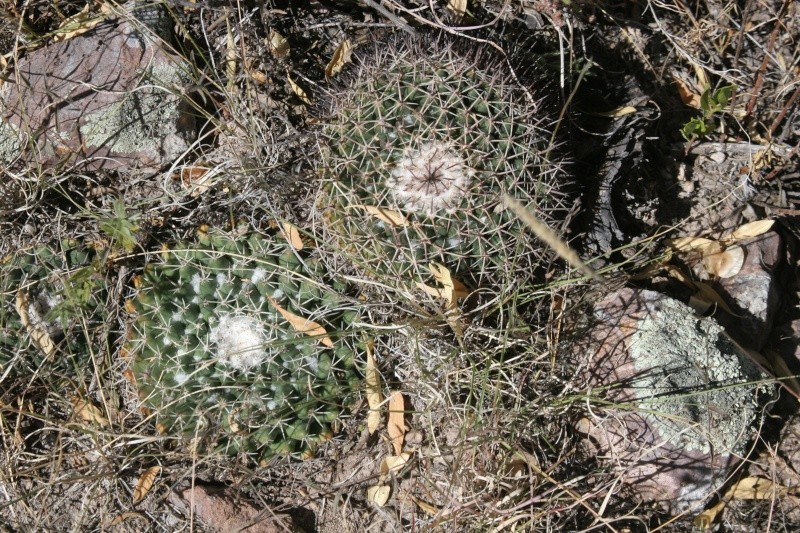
{"x": 379, "y": 494}
{"x": 707, "y": 293}
{"x": 751, "y": 229}
{"x": 303, "y": 325}
{"x": 725, "y": 263}
{"x": 688, "y": 97}
{"x": 374, "y": 394}
{"x": 196, "y": 179}
{"x": 89, "y": 412}
{"x": 394, "y": 463}
{"x": 296, "y": 89}
{"x": 617, "y": 112}
{"x": 458, "y": 7}
{"x": 425, "y": 506}
{"x": 690, "y": 244}
{"x": 38, "y": 334}
{"x": 453, "y": 289}
{"x": 258, "y": 76}
{"x": 341, "y": 56}
{"x": 751, "y": 488}
{"x": 293, "y": 235}
{"x": 278, "y": 45}
{"x": 145, "y": 483}
{"x": 395, "y": 218}
{"x": 77, "y": 24}
{"x": 397, "y": 421}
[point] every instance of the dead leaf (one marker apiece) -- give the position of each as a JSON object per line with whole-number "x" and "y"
{"x": 231, "y": 55}
{"x": 379, "y": 494}
{"x": 303, "y": 325}
{"x": 341, "y": 56}
{"x": 145, "y": 483}
{"x": 394, "y": 463}
{"x": 617, "y": 112}
{"x": 293, "y": 235}
{"x": 725, "y": 263}
{"x": 751, "y": 488}
{"x": 751, "y": 229}
{"x": 196, "y": 179}
{"x": 690, "y": 244}
{"x": 258, "y": 76}
{"x": 395, "y": 218}
{"x": 425, "y": 506}
{"x": 707, "y": 293}
{"x": 397, "y": 421}
{"x": 688, "y": 97}
{"x": 37, "y": 332}
{"x": 374, "y": 394}
{"x": 278, "y": 45}
{"x": 458, "y": 7}
{"x": 453, "y": 289}
{"x": 297, "y": 90}
{"x": 699, "y": 305}
{"x": 89, "y": 412}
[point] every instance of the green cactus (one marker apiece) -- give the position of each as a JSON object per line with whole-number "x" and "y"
{"x": 217, "y": 358}
{"x": 61, "y": 295}
{"x": 418, "y": 149}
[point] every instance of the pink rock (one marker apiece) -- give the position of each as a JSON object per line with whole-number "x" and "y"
{"x": 107, "y": 99}
{"x": 676, "y": 403}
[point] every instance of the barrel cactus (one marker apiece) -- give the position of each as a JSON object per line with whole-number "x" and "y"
{"x": 52, "y": 298}
{"x": 237, "y": 345}
{"x": 418, "y": 146}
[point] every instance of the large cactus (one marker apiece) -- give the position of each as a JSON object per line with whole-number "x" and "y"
{"x": 51, "y": 300}
{"x": 223, "y": 347}
{"x": 419, "y": 146}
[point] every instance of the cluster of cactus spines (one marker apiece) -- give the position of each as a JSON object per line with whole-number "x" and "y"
{"x": 216, "y": 355}
{"x": 418, "y": 147}
{"x": 49, "y": 295}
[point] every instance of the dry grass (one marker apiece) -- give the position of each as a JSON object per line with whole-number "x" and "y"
{"x": 490, "y": 404}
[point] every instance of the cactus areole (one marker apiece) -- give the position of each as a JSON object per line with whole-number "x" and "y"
{"x": 238, "y": 345}
{"x": 420, "y": 141}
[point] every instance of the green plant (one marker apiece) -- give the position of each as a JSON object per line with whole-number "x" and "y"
{"x": 120, "y": 226}
{"x": 238, "y": 343}
{"x": 711, "y": 103}
{"x": 51, "y": 299}
{"x": 418, "y": 148}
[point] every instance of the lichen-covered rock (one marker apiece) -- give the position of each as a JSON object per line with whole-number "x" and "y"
{"x": 111, "y": 98}
{"x": 240, "y": 346}
{"x": 680, "y": 400}
{"x": 418, "y": 148}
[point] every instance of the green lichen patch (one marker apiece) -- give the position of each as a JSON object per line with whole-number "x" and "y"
{"x": 241, "y": 345}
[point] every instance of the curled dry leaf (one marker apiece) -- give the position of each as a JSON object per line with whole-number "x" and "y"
{"x": 297, "y": 90}
{"x": 278, "y": 45}
{"x": 725, "y": 263}
{"x": 374, "y": 395}
{"x": 690, "y": 244}
{"x": 341, "y": 56}
{"x": 394, "y": 463}
{"x": 688, "y": 97}
{"x": 458, "y": 7}
{"x": 303, "y": 325}
{"x": 751, "y": 229}
{"x": 145, "y": 483}
{"x": 395, "y": 218}
{"x": 293, "y": 235}
{"x": 38, "y": 334}
{"x": 751, "y": 488}
{"x": 397, "y": 421}
{"x": 379, "y": 494}
{"x": 89, "y": 412}
{"x": 429, "y": 508}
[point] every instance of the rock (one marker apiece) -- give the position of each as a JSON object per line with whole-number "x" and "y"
{"x": 221, "y": 511}
{"x": 108, "y": 99}
{"x": 678, "y": 400}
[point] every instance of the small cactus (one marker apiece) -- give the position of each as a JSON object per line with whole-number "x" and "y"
{"x": 417, "y": 150}
{"x": 51, "y": 299}
{"x": 222, "y": 349}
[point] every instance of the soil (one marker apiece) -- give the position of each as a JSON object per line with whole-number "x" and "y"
{"x": 617, "y": 75}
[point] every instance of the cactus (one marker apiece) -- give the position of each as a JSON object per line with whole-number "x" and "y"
{"x": 417, "y": 150}
{"x": 220, "y": 352}
{"x": 51, "y": 299}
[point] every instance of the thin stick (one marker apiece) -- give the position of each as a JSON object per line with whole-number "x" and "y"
{"x": 541, "y": 230}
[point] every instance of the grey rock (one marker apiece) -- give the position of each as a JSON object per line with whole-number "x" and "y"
{"x": 680, "y": 398}
{"x": 107, "y": 99}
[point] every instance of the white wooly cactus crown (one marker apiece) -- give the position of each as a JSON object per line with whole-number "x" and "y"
{"x": 419, "y": 144}
{"x": 52, "y": 298}
{"x": 226, "y": 346}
